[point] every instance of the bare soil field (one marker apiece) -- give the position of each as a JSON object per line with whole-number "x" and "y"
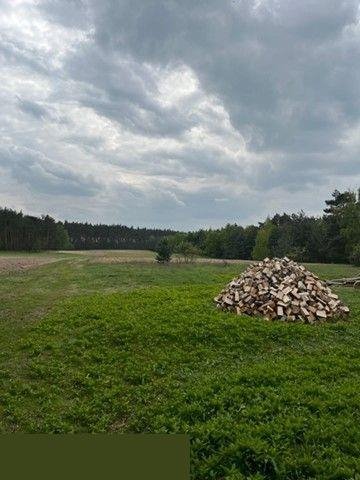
{"x": 18, "y": 263}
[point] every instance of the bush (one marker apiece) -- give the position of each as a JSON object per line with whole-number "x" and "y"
{"x": 187, "y": 251}
{"x": 355, "y": 256}
{"x": 163, "y": 251}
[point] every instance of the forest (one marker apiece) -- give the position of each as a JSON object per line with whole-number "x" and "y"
{"x": 26, "y": 232}
{"x": 333, "y": 237}
{"x": 85, "y": 236}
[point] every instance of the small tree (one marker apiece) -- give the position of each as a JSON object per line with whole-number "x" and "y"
{"x": 163, "y": 251}
{"x": 175, "y": 240}
{"x": 187, "y": 250}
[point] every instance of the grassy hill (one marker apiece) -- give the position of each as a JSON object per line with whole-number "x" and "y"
{"x": 89, "y": 345}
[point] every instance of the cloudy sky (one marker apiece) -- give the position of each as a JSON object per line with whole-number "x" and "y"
{"x": 178, "y": 113}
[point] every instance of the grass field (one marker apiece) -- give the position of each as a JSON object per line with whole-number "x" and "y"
{"x": 95, "y": 345}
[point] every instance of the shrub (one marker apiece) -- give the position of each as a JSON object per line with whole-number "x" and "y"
{"x": 163, "y": 251}
{"x": 355, "y": 256}
{"x": 187, "y": 251}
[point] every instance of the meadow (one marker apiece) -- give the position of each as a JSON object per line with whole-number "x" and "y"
{"x": 112, "y": 342}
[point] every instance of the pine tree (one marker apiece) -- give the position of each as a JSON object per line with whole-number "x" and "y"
{"x": 163, "y": 251}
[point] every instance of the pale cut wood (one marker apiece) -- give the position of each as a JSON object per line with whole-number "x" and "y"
{"x": 281, "y": 289}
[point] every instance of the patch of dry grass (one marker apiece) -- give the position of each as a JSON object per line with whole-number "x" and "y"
{"x": 18, "y": 263}
{"x": 108, "y": 257}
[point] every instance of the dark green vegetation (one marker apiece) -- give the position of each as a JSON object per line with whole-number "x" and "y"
{"x": 331, "y": 238}
{"x": 141, "y": 348}
{"x": 25, "y": 232}
{"x": 85, "y": 236}
{"x": 163, "y": 251}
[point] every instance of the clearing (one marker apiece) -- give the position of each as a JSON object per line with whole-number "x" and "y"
{"x": 132, "y": 346}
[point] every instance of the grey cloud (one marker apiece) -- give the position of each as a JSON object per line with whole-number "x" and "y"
{"x": 181, "y": 163}
{"x": 15, "y": 53}
{"x": 43, "y": 175}
{"x": 33, "y": 109}
{"x": 276, "y": 78}
{"x": 69, "y": 13}
{"x": 298, "y": 53}
{"x": 303, "y": 172}
{"x": 125, "y": 91}
{"x": 138, "y": 118}
{"x": 170, "y": 205}
{"x": 89, "y": 143}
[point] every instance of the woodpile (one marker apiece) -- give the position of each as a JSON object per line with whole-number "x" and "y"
{"x": 345, "y": 282}
{"x": 281, "y": 289}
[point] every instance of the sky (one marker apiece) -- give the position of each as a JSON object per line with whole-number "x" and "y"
{"x": 176, "y": 113}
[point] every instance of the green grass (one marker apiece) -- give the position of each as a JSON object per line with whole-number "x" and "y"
{"x": 141, "y": 348}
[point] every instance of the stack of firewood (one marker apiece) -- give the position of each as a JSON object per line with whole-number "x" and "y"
{"x": 281, "y": 289}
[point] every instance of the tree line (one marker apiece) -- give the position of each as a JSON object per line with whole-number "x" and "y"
{"x": 333, "y": 237}
{"x": 25, "y": 232}
{"x": 84, "y": 236}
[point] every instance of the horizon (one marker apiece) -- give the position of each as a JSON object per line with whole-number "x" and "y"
{"x": 149, "y": 227}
